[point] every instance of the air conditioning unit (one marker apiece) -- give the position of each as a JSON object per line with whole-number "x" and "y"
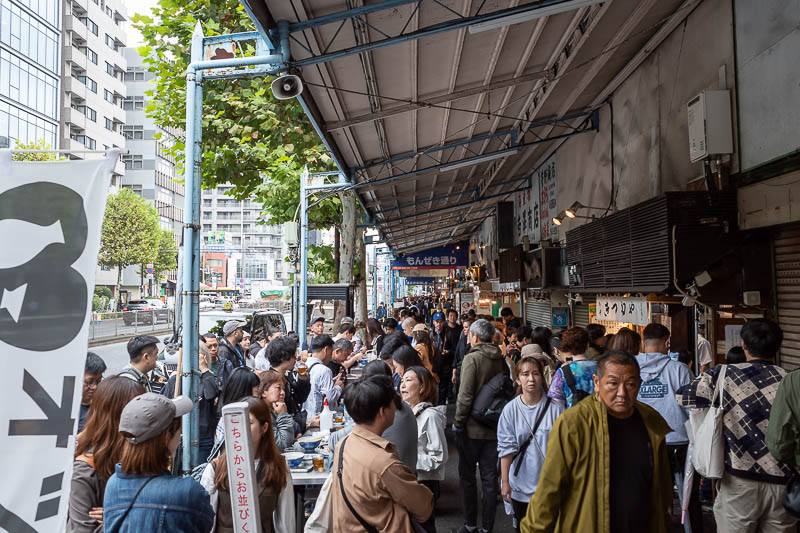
{"x": 710, "y": 128}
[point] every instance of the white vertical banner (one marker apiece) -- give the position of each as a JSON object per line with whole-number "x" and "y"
{"x": 245, "y": 508}
{"x": 526, "y": 214}
{"x": 548, "y": 198}
{"x": 50, "y": 219}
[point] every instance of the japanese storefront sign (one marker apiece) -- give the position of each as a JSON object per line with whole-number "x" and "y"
{"x": 450, "y": 256}
{"x": 632, "y": 310}
{"x": 50, "y": 214}
{"x": 534, "y": 208}
{"x": 241, "y": 473}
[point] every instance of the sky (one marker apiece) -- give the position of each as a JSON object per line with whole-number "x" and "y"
{"x": 142, "y": 7}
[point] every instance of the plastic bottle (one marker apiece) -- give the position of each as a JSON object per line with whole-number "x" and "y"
{"x": 326, "y": 418}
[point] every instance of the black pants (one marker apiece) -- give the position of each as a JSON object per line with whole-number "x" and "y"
{"x": 484, "y": 453}
{"x": 430, "y": 524}
{"x": 520, "y": 508}
{"x": 445, "y": 383}
{"x": 677, "y": 460}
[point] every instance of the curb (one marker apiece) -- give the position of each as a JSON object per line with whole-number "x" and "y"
{"x": 124, "y": 338}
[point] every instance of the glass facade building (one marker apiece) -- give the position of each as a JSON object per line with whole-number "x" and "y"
{"x": 30, "y": 32}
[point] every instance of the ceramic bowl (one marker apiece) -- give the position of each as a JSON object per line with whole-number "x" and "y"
{"x": 309, "y": 444}
{"x": 295, "y": 459}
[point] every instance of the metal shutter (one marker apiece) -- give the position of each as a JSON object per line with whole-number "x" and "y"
{"x": 537, "y": 312}
{"x": 581, "y": 318}
{"x": 787, "y": 283}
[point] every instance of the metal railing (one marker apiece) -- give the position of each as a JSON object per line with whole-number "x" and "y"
{"x": 127, "y": 323}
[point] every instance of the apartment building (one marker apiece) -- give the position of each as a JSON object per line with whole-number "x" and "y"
{"x": 30, "y": 32}
{"x": 92, "y": 77}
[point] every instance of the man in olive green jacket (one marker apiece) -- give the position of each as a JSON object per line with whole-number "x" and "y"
{"x": 606, "y": 469}
{"x": 476, "y": 443}
{"x": 783, "y": 430}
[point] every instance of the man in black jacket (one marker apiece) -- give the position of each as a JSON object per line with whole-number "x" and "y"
{"x": 280, "y": 354}
{"x": 229, "y": 349}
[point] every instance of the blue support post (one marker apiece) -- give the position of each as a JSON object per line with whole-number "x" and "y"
{"x": 302, "y": 297}
{"x": 191, "y": 259}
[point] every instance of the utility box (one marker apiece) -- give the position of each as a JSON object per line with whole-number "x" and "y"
{"x": 710, "y": 128}
{"x": 290, "y": 234}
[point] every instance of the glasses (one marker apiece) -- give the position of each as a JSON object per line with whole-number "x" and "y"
{"x": 92, "y": 383}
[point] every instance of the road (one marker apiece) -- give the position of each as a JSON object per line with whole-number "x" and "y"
{"x": 115, "y": 355}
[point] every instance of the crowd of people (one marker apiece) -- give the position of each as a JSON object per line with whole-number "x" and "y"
{"x": 575, "y": 432}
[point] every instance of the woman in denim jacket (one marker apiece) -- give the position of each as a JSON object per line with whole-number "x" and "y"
{"x": 141, "y": 495}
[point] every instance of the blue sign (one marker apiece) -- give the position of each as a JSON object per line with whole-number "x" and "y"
{"x": 454, "y": 255}
{"x": 560, "y": 317}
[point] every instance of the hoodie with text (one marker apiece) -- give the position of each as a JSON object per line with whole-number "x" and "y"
{"x": 661, "y": 379}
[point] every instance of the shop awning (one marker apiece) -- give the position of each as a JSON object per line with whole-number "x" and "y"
{"x": 438, "y": 109}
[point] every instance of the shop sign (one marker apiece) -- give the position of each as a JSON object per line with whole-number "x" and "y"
{"x": 560, "y": 317}
{"x": 632, "y": 310}
{"x": 535, "y": 207}
{"x": 448, "y": 257}
{"x": 241, "y": 478}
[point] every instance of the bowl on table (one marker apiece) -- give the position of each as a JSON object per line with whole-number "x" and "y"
{"x": 294, "y": 459}
{"x": 309, "y": 443}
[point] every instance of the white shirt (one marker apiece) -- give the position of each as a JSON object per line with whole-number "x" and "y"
{"x": 261, "y": 362}
{"x": 322, "y": 386}
{"x": 703, "y": 350}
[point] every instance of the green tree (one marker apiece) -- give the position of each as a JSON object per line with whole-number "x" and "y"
{"x": 250, "y": 140}
{"x": 130, "y": 233}
{"x": 39, "y": 144}
{"x": 166, "y": 257}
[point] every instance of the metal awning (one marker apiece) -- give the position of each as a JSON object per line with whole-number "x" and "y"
{"x": 438, "y": 109}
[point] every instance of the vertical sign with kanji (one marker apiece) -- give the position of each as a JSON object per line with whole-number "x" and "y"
{"x": 548, "y": 198}
{"x": 526, "y": 214}
{"x": 50, "y": 219}
{"x": 241, "y": 474}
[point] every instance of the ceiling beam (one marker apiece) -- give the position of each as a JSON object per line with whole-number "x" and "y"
{"x": 347, "y": 14}
{"x": 434, "y": 101}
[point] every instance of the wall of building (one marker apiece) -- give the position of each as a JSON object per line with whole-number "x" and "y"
{"x": 30, "y": 52}
{"x": 767, "y": 51}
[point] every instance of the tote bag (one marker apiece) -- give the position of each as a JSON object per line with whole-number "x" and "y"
{"x": 709, "y": 449}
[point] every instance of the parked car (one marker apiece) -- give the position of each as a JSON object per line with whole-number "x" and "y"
{"x": 145, "y": 312}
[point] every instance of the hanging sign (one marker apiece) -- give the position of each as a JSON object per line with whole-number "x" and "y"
{"x": 241, "y": 474}
{"x": 50, "y": 214}
{"x": 548, "y": 199}
{"x": 621, "y": 309}
{"x": 447, "y": 257}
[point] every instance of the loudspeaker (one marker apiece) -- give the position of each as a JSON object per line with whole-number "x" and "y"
{"x": 287, "y": 87}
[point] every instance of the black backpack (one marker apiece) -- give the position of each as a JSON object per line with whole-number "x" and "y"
{"x": 569, "y": 378}
{"x": 492, "y": 398}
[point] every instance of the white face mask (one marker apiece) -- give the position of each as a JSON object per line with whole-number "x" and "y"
{"x": 413, "y": 342}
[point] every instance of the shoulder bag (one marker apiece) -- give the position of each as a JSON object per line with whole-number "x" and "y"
{"x": 569, "y": 378}
{"x": 709, "y": 442}
{"x": 524, "y": 448}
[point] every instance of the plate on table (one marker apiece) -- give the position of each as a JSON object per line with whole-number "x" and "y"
{"x": 304, "y": 468}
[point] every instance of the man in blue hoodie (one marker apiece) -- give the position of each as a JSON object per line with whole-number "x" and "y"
{"x": 661, "y": 379}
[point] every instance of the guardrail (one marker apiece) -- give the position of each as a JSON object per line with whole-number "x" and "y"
{"x": 127, "y": 323}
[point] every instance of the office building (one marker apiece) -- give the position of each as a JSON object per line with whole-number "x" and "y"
{"x": 30, "y": 32}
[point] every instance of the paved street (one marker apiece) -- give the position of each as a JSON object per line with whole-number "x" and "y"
{"x": 115, "y": 355}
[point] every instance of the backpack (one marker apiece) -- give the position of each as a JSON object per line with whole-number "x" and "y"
{"x": 492, "y": 398}
{"x": 569, "y": 378}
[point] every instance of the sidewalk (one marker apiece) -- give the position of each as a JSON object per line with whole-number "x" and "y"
{"x": 113, "y": 339}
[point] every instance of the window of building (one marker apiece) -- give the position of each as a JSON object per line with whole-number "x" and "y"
{"x": 108, "y": 96}
{"x": 214, "y": 262}
{"x": 207, "y": 202}
{"x": 90, "y": 25}
{"x": 136, "y": 188}
{"x": 109, "y": 125}
{"x": 134, "y": 74}
{"x": 164, "y": 195}
{"x": 109, "y": 69}
{"x": 133, "y": 103}
{"x": 88, "y": 142}
{"x": 17, "y": 124}
{"x": 89, "y": 82}
{"x": 32, "y": 87}
{"x": 206, "y": 227}
{"x": 132, "y": 161}
{"x": 110, "y": 42}
{"x": 133, "y": 132}
{"x": 109, "y": 12}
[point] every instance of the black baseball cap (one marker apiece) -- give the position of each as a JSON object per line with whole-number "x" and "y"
{"x": 140, "y": 342}
{"x": 318, "y": 319}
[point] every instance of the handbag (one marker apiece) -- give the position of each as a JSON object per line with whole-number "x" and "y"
{"x": 321, "y": 519}
{"x": 709, "y": 449}
{"x": 524, "y": 447}
{"x": 791, "y": 496}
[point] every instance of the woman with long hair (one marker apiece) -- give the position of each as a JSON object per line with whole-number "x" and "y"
{"x": 424, "y": 347}
{"x": 142, "y": 495}
{"x": 272, "y": 389}
{"x": 520, "y": 443}
{"x": 420, "y": 391}
{"x": 98, "y": 449}
{"x": 375, "y": 335}
{"x": 275, "y": 490}
{"x": 241, "y": 383}
{"x": 626, "y": 340}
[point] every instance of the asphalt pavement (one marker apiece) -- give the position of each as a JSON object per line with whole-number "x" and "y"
{"x": 115, "y": 356}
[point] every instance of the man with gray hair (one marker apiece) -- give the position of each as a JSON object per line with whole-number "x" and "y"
{"x": 477, "y": 443}
{"x": 343, "y": 358}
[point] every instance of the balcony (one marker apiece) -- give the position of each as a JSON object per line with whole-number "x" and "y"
{"x": 77, "y": 89}
{"x": 73, "y": 117}
{"x": 80, "y": 6}
{"x": 76, "y": 27}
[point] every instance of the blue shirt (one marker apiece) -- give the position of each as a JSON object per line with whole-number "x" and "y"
{"x": 583, "y": 371}
{"x": 167, "y": 504}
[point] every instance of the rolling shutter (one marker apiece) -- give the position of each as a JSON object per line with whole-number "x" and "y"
{"x": 581, "y": 318}
{"x": 787, "y": 284}
{"x": 537, "y": 312}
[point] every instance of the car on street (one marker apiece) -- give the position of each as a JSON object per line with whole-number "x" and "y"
{"x": 145, "y": 312}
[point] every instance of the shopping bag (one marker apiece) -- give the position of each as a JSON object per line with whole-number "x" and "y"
{"x": 709, "y": 442}
{"x": 321, "y": 519}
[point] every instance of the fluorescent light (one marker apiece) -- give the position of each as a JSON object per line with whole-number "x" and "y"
{"x": 477, "y": 160}
{"x": 531, "y": 14}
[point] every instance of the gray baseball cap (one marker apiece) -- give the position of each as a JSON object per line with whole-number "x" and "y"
{"x": 231, "y": 326}
{"x": 149, "y": 414}
{"x": 346, "y": 320}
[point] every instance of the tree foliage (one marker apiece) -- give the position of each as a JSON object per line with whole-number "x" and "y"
{"x": 39, "y": 144}
{"x": 130, "y": 232}
{"x": 250, "y": 140}
{"x": 166, "y": 254}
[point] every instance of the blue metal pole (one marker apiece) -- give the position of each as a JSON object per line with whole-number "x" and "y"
{"x": 191, "y": 239}
{"x": 302, "y": 322}
{"x": 196, "y": 186}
